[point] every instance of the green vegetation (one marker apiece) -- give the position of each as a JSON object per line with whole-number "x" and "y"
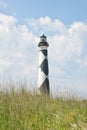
{"x": 20, "y": 110}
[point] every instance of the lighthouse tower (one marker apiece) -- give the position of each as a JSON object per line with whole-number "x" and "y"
{"x": 43, "y": 72}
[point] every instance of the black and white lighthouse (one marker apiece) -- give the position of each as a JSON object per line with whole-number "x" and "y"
{"x": 43, "y": 72}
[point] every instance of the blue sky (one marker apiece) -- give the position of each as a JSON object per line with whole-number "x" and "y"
{"x": 65, "y": 24}
{"x": 67, "y": 11}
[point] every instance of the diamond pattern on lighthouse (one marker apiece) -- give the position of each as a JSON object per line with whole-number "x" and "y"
{"x": 41, "y": 57}
{"x": 44, "y": 52}
{"x": 44, "y": 66}
{"x": 43, "y": 79}
{"x": 44, "y": 88}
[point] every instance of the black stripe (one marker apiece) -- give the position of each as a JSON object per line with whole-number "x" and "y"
{"x": 44, "y": 52}
{"x": 44, "y": 89}
{"x": 44, "y": 66}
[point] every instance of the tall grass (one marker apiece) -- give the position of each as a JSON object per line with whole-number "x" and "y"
{"x": 20, "y": 110}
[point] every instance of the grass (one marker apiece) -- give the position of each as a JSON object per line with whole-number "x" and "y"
{"x": 20, "y": 110}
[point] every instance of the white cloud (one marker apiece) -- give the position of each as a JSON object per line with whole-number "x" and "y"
{"x": 3, "y": 4}
{"x": 16, "y": 49}
{"x": 66, "y": 42}
{"x": 67, "y": 50}
{"x": 46, "y": 24}
{"x": 7, "y": 20}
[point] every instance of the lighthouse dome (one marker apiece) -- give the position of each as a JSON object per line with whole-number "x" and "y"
{"x": 43, "y": 41}
{"x": 43, "y": 38}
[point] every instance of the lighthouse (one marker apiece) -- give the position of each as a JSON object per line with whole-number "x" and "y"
{"x": 43, "y": 70}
